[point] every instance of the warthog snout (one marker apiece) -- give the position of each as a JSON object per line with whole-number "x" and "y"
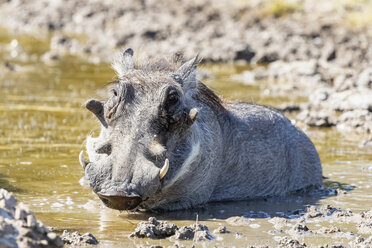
{"x": 119, "y": 202}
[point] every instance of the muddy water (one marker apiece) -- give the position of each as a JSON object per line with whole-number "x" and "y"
{"x": 43, "y": 126}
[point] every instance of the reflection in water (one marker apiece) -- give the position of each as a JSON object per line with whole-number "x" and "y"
{"x": 43, "y": 127}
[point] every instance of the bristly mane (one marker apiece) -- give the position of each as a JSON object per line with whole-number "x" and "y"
{"x": 158, "y": 64}
{"x": 163, "y": 64}
{"x": 169, "y": 64}
{"x": 208, "y": 97}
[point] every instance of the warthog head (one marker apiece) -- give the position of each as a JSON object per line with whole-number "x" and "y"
{"x": 146, "y": 131}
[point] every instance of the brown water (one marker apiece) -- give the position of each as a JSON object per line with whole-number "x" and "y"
{"x": 42, "y": 130}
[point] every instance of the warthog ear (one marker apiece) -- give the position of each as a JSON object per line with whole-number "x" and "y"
{"x": 123, "y": 62}
{"x": 186, "y": 74}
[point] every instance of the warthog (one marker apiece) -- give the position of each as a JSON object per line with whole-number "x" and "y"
{"x": 168, "y": 142}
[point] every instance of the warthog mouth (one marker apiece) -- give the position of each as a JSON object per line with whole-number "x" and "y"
{"x": 120, "y": 202}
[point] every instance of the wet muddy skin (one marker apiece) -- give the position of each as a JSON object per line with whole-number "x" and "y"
{"x": 43, "y": 127}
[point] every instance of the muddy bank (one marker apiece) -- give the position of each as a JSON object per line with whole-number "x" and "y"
{"x": 155, "y": 229}
{"x": 320, "y": 222}
{"x": 19, "y": 227}
{"x": 214, "y": 29}
{"x": 313, "y": 48}
{"x": 253, "y": 31}
{"x": 337, "y": 95}
{"x": 288, "y": 230}
{"x": 76, "y": 239}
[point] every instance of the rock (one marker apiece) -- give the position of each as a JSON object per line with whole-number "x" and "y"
{"x": 340, "y": 192}
{"x": 247, "y": 77}
{"x": 239, "y": 235}
{"x": 185, "y": 233}
{"x": 287, "y": 71}
{"x": 365, "y": 79}
{"x": 361, "y": 242}
{"x": 61, "y": 44}
{"x": 50, "y": 57}
{"x": 289, "y": 108}
{"x": 8, "y": 66}
{"x": 239, "y": 221}
{"x": 76, "y": 239}
{"x": 312, "y": 212}
{"x": 325, "y": 107}
{"x": 321, "y": 118}
{"x": 21, "y": 212}
{"x": 7, "y": 201}
{"x": 7, "y": 230}
{"x": 193, "y": 232}
{"x": 245, "y": 54}
{"x": 343, "y": 81}
{"x": 154, "y": 229}
{"x": 355, "y": 120}
{"x": 349, "y": 100}
{"x": 319, "y": 96}
{"x": 332, "y": 246}
{"x": 329, "y": 230}
{"x": 329, "y": 52}
{"x": 367, "y": 143}
{"x": 365, "y": 225}
{"x": 292, "y": 243}
{"x": 221, "y": 229}
{"x": 278, "y": 222}
{"x": 260, "y": 73}
{"x": 299, "y": 228}
{"x": 203, "y": 234}
{"x": 19, "y": 227}
{"x": 266, "y": 57}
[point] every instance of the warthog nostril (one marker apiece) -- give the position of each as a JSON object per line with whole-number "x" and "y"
{"x": 120, "y": 202}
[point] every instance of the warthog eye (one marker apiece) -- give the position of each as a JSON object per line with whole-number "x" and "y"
{"x": 173, "y": 98}
{"x": 171, "y": 107}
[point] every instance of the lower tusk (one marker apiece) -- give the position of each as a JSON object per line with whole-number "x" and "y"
{"x": 82, "y": 160}
{"x": 164, "y": 169}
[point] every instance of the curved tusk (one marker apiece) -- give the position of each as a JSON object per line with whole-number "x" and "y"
{"x": 164, "y": 169}
{"x": 193, "y": 114}
{"x": 82, "y": 160}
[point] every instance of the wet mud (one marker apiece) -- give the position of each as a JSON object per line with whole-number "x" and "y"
{"x": 289, "y": 230}
{"x": 76, "y": 239}
{"x": 155, "y": 229}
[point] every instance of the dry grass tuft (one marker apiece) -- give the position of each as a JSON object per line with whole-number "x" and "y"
{"x": 278, "y": 8}
{"x": 360, "y": 15}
